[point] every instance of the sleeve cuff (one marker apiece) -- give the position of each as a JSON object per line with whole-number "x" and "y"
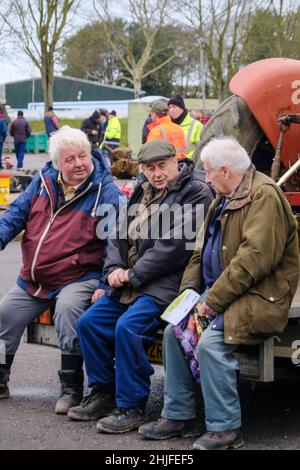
{"x": 133, "y": 279}
{"x": 102, "y": 285}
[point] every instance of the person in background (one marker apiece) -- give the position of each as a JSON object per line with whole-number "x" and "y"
{"x": 51, "y": 121}
{"x": 20, "y": 130}
{"x": 145, "y": 129}
{"x": 162, "y": 128}
{"x": 112, "y": 134}
{"x": 91, "y": 126}
{"x": 203, "y": 117}
{"x": 3, "y": 134}
{"x": 104, "y": 122}
{"x": 190, "y": 126}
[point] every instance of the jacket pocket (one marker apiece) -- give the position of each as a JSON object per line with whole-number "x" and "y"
{"x": 269, "y": 307}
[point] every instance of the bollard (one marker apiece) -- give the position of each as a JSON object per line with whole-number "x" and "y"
{"x": 4, "y": 190}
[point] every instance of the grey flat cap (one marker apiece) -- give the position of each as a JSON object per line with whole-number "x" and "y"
{"x": 159, "y": 107}
{"x": 156, "y": 150}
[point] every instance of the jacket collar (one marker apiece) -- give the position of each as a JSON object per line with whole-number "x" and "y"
{"x": 180, "y": 118}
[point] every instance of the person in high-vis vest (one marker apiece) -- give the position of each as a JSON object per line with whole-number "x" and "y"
{"x": 112, "y": 135}
{"x": 162, "y": 128}
{"x": 190, "y": 126}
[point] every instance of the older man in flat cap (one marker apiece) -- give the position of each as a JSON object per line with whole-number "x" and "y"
{"x": 162, "y": 128}
{"x": 143, "y": 270}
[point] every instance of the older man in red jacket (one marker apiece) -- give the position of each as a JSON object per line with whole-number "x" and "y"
{"x": 62, "y": 254}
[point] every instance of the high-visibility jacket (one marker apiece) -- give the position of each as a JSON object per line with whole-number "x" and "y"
{"x": 112, "y": 135}
{"x": 165, "y": 129}
{"x": 192, "y": 130}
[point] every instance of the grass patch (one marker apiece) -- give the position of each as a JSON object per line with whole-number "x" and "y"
{"x": 38, "y": 126}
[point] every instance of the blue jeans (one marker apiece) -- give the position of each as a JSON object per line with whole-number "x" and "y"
{"x": 20, "y": 153}
{"x": 217, "y": 376}
{"x": 114, "y": 338}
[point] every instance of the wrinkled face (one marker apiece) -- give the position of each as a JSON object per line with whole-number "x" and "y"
{"x": 175, "y": 111}
{"x": 218, "y": 179}
{"x": 75, "y": 165}
{"x": 161, "y": 172}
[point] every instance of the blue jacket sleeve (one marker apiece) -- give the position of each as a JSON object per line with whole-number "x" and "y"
{"x": 3, "y": 129}
{"x": 15, "y": 218}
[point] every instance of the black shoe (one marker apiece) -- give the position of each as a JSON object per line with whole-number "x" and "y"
{"x": 4, "y": 378}
{"x": 122, "y": 420}
{"x": 71, "y": 390}
{"x": 95, "y": 405}
{"x": 165, "y": 428}
{"x": 220, "y": 440}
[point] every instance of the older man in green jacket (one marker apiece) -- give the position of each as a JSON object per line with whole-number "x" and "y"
{"x": 246, "y": 266}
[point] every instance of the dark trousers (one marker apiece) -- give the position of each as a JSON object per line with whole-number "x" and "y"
{"x": 114, "y": 338}
{"x": 20, "y": 148}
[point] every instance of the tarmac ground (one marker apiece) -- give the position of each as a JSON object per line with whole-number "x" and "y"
{"x": 271, "y": 412}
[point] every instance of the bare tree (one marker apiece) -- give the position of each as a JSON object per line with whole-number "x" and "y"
{"x": 149, "y": 16}
{"x": 4, "y": 35}
{"x": 38, "y": 26}
{"x": 286, "y": 27}
{"x": 221, "y": 27}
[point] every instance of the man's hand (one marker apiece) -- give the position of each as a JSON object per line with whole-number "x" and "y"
{"x": 118, "y": 278}
{"x": 97, "y": 294}
{"x": 206, "y": 310}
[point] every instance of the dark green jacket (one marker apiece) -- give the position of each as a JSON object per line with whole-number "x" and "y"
{"x": 259, "y": 259}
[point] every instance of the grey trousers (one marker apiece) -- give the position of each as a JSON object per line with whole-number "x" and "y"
{"x": 18, "y": 309}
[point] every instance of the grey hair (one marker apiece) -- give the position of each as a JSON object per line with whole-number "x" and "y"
{"x": 67, "y": 137}
{"x": 225, "y": 151}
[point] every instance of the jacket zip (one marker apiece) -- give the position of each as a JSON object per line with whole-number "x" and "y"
{"x": 48, "y": 227}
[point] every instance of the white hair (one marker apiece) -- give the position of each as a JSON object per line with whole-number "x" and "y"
{"x": 67, "y": 138}
{"x": 225, "y": 151}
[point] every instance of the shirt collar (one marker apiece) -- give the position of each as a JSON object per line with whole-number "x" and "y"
{"x": 69, "y": 189}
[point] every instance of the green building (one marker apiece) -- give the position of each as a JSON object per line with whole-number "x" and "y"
{"x": 18, "y": 94}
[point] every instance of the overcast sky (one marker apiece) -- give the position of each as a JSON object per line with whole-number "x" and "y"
{"x": 18, "y": 67}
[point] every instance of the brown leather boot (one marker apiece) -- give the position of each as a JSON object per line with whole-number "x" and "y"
{"x": 165, "y": 428}
{"x": 220, "y": 440}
